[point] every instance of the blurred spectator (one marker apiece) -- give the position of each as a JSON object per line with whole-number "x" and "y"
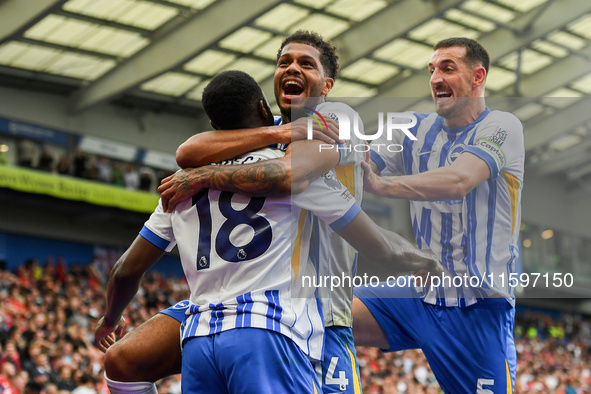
{"x": 20, "y": 381}
{"x": 3, "y": 154}
{"x": 33, "y": 388}
{"x": 63, "y": 166}
{"x": 11, "y": 355}
{"x": 131, "y": 178}
{"x": 60, "y": 270}
{"x": 41, "y": 370}
{"x": 86, "y": 385}
{"x": 45, "y": 161}
{"x": 27, "y": 153}
{"x": 79, "y": 164}
{"x": 34, "y": 268}
{"x": 7, "y": 376}
{"x": 51, "y": 388}
{"x": 147, "y": 178}
{"x": 103, "y": 169}
{"x": 92, "y": 169}
{"x": 116, "y": 174}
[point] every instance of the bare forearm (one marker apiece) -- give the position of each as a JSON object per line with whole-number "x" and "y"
{"x": 127, "y": 274}
{"x": 120, "y": 292}
{"x": 428, "y": 186}
{"x": 441, "y": 184}
{"x": 217, "y": 145}
{"x": 387, "y": 247}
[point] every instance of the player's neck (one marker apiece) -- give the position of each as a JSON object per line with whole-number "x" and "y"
{"x": 470, "y": 113}
{"x": 309, "y": 103}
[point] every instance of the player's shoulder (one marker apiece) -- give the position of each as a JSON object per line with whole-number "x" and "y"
{"x": 333, "y": 109}
{"x": 337, "y": 105}
{"x": 424, "y": 117}
{"x": 505, "y": 120}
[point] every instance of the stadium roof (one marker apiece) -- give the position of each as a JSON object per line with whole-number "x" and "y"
{"x": 163, "y": 52}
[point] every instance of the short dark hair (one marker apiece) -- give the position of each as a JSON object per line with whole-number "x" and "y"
{"x": 475, "y": 52}
{"x": 230, "y": 98}
{"x": 328, "y": 52}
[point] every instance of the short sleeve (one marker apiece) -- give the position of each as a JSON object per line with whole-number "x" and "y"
{"x": 158, "y": 229}
{"x": 330, "y": 200}
{"x": 499, "y": 142}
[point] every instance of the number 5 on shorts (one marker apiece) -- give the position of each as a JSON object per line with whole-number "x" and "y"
{"x": 342, "y": 380}
{"x": 481, "y": 382}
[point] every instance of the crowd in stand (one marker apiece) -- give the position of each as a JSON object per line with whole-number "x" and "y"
{"x": 90, "y": 167}
{"x": 47, "y": 318}
{"x": 48, "y": 313}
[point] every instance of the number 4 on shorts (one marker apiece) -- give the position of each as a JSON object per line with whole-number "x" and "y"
{"x": 342, "y": 380}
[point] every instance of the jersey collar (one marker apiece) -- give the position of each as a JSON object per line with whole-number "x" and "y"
{"x": 459, "y": 129}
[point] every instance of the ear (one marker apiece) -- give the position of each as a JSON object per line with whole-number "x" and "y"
{"x": 328, "y": 84}
{"x": 478, "y": 77}
{"x": 215, "y": 127}
{"x": 262, "y": 109}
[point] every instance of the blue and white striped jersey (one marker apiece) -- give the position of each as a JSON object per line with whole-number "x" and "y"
{"x": 244, "y": 257}
{"x": 476, "y": 237}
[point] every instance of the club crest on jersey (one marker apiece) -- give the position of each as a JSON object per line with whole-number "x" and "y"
{"x": 454, "y": 152}
{"x": 181, "y": 304}
{"x": 331, "y": 181}
{"x": 203, "y": 262}
{"x": 241, "y": 254}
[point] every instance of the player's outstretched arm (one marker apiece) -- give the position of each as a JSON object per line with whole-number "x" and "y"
{"x": 123, "y": 284}
{"x": 302, "y": 163}
{"x": 217, "y": 145}
{"x": 446, "y": 183}
{"x": 387, "y": 247}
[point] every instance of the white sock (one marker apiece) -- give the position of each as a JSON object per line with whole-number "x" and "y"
{"x": 130, "y": 387}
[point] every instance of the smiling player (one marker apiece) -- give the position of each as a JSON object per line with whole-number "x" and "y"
{"x": 464, "y": 176}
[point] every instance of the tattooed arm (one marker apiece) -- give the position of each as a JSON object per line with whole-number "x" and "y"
{"x": 264, "y": 178}
{"x": 303, "y": 162}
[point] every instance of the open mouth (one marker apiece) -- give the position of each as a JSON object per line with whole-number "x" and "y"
{"x": 292, "y": 87}
{"x": 442, "y": 95}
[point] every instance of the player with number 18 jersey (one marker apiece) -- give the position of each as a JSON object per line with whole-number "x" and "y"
{"x": 244, "y": 258}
